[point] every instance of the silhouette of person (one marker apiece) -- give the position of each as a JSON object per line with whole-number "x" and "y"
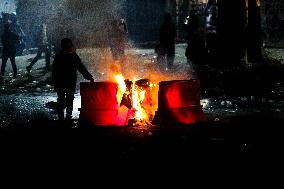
{"x": 117, "y": 39}
{"x": 254, "y": 33}
{"x": 211, "y": 32}
{"x": 10, "y": 41}
{"x": 193, "y": 39}
{"x": 16, "y": 28}
{"x": 43, "y": 46}
{"x": 64, "y": 77}
{"x": 167, "y": 40}
{"x": 63, "y": 31}
{"x": 60, "y": 26}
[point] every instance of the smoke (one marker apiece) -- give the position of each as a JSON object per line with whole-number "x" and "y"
{"x": 87, "y": 22}
{"x": 134, "y": 66}
{"x": 87, "y": 19}
{"x": 90, "y": 20}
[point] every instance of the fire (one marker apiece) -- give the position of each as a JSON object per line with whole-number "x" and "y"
{"x": 140, "y": 103}
{"x": 121, "y": 87}
{"x": 138, "y": 96}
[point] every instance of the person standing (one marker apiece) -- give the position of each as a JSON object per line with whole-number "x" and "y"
{"x": 43, "y": 46}
{"x": 167, "y": 40}
{"x": 64, "y": 77}
{"x": 9, "y": 41}
{"x": 117, "y": 39}
{"x": 193, "y": 50}
{"x": 211, "y": 32}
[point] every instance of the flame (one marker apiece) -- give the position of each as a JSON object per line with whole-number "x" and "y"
{"x": 121, "y": 87}
{"x": 138, "y": 96}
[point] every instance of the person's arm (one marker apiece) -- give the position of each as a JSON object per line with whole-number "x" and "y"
{"x": 54, "y": 70}
{"x": 82, "y": 69}
{"x": 175, "y": 31}
{"x": 16, "y": 38}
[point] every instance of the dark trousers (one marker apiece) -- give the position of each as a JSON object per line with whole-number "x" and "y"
{"x": 4, "y": 62}
{"x": 39, "y": 53}
{"x": 167, "y": 54}
{"x": 117, "y": 53}
{"x": 65, "y": 95}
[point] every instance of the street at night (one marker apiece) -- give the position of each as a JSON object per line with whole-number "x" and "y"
{"x": 229, "y": 81}
{"x": 244, "y": 123}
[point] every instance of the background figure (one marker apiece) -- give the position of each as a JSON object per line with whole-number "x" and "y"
{"x": 64, "y": 77}
{"x": 117, "y": 39}
{"x": 43, "y": 46}
{"x": 10, "y": 41}
{"x": 15, "y": 28}
{"x": 194, "y": 43}
{"x": 63, "y": 31}
{"x": 166, "y": 49}
{"x": 211, "y": 32}
{"x": 60, "y": 26}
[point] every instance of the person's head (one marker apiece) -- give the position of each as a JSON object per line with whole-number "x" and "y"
{"x": 43, "y": 27}
{"x": 67, "y": 45}
{"x": 114, "y": 23}
{"x": 7, "y": 26}
{"x": 212, "y": 10}
{"x": 192, "y": 13}
{"x": 168, "y": 17}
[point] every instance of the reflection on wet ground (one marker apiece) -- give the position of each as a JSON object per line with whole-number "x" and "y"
{"x": 227, "y": 93}
{"x": 237, "y": 125}
{"x": 24, "y": 108}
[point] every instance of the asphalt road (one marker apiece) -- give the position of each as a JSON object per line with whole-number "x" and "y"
{"x": 240, "y": 122}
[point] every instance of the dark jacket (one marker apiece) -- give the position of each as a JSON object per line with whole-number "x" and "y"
{"x": 192, "y": 27}
{"x": 41, "y": 39}
{"x": 167, "y": 38}
{"x": 10, "y": 41}
{"x": 117, "y": 37}
{"x": 167, "y": 34}
{"x": 65, "y": 66}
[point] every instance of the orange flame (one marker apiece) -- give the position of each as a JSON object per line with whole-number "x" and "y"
{"x": 138, "y": 96}
{"x": 141, "y": 110}
{"x": 121, "y": 87}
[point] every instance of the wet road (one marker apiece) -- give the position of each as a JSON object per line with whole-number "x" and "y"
{"x": 22, "y": 109}
{"x": 30, "y": 96}
{"x": 238, "y": 126}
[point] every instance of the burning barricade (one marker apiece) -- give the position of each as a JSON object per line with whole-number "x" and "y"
{"x": 137, "y": 102}
{"x": 162, "y": 99}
